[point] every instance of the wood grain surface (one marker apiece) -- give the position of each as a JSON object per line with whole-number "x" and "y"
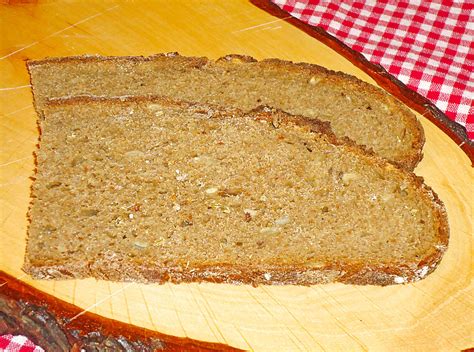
{"x": 436, "y": 313}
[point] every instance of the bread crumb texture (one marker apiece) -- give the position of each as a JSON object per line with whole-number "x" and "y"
{"x": 155, "y": 191}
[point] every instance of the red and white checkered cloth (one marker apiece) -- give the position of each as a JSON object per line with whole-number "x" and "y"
{"x": 428, "y": 45}
{"x": 10, "y": 343}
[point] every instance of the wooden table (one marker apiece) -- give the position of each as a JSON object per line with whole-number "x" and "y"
{"x": 433, "y": 314}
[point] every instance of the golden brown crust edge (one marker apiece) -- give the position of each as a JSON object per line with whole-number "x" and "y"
{"x": 348, "y": 273}
{"x": 355, "y": 274}
{"x": 408, "y": 162}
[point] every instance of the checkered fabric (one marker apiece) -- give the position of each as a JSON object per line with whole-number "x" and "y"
{"x": 427, "y": 45}
{"x": 10, "y": 343}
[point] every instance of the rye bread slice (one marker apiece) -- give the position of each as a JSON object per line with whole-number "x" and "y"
{"x": 356, "y": 109}
{"x": 154, "y": 190}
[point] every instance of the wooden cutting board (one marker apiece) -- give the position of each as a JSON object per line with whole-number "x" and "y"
{"x": 433, "y": 314}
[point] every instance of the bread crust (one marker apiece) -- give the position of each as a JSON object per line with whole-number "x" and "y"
{"x": 348, "y": 272}
{"x": 409, "y": 161}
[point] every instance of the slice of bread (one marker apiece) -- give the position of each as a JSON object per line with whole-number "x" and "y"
{"x": 356, "y": 109}
{"x": 152, "y": 190}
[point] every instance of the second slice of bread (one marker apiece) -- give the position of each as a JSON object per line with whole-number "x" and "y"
{"x": 356, "y": 109}
{"x": 153, "y": 190}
